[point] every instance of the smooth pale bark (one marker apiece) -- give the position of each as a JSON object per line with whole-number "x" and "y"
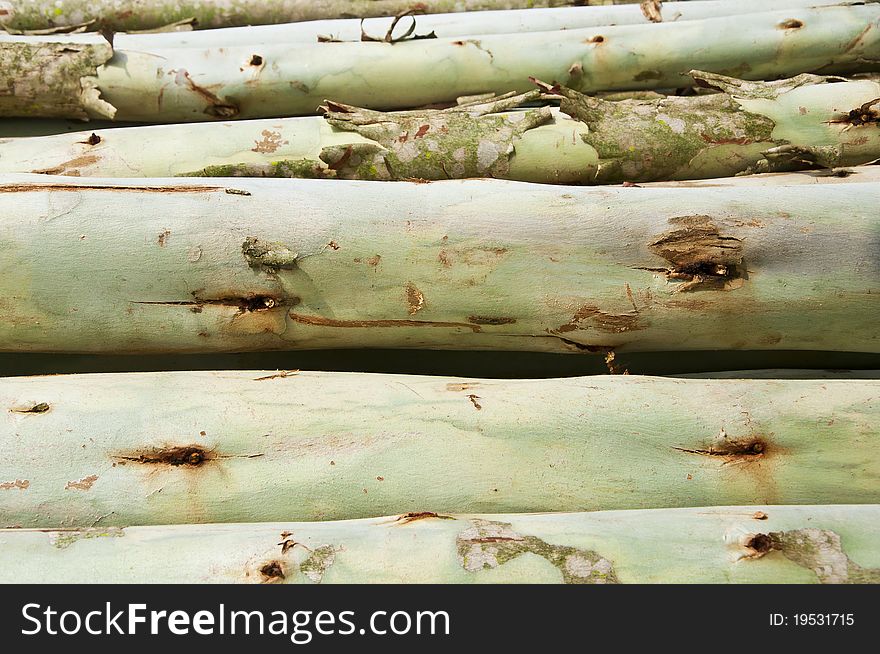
{"x": 476, "y": 140}
{"x": 200, "y": 447}
{"x": 455, "y": 24}
{"x": 728, "y": 544}
{"x": 750, "y": 127}
{"x": 784, "y": 373}
{"x": 122, "y": 15}
{"x": 852, "y": 175}
{"x": 193, "y": 84}
{"x": 247, "y": 264}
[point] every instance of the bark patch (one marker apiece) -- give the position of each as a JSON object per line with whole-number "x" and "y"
{"x": 700, "y": 255}
{"x": 817, "y": 550}
{"x": 269, "y": 142}
{"x": 415, "y": 299}
{"x": 613, "y": 323}
{"x": 18, "y": 484}
{"x": 82, "y": 484}
{"x": 216, "y": 106}
{"x": 270, "y": 256}
{"x": 41, "y": 407}
{"x": 488, "y": 544}
{"x": 70, "y": 168}
{"x": 65, "y": 538}
{"x": 318, "y": 562}
{"x": 53, "y": 80}
{"x": 466, "y": 141}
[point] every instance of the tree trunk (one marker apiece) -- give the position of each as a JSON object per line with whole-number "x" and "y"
{"x": 244, "y": 264}
{"x": 250, "y": 446}
{"x": 474, "y": 140}
{"x": 751, "y": 127}
{"x": 193, "y": 84}
{"x": 728, "y": 544}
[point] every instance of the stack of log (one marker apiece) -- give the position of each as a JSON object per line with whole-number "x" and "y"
{"x": 592, "y": 180}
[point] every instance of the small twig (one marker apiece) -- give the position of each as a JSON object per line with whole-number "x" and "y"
{"x": 389, "y": 35}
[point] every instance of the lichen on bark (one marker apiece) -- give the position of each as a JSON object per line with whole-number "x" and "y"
{"x": 469, "y": 140}
{"x": 316, "y": 565}
{"x": 721, "y": 134}
{"x": 489, "y": 544}
{"x": 63, "y": 539}
{"x": 821, "y": 551}
{"x": 49, "y": 79}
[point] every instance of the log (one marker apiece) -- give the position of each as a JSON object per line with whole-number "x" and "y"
{"x": 125, "y": 15}
{"x": 476, "y": 139}
{"x": 250, "y": 446}
{"x": 806, "y": 121}
{"x": 197, "y": 84}
{"x": 451, "y": 24}
{"x": 161, "y": 266}
{"x": 730, "y": 544}
{"x": 750, "y": 127}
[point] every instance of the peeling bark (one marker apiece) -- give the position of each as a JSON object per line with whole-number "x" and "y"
{"x": 286, "y": 264}
{"x": 700, "y": 545}
{"x": 43, "y": 78}
{"x": 198, "y": 84}
{"x": 750, "y": 127}
{"x": 456, "y": 143}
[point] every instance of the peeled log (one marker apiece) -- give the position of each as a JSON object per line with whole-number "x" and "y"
{"x": 728, "y": 544}
{"x": 452, "y": 24}
{"x": 249, "y": 264}
{"x": 477, "y": 139}
{"x": 200, "y": 447}
{"x": 806, "y": 121}
{"x": 193, "y": 84}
